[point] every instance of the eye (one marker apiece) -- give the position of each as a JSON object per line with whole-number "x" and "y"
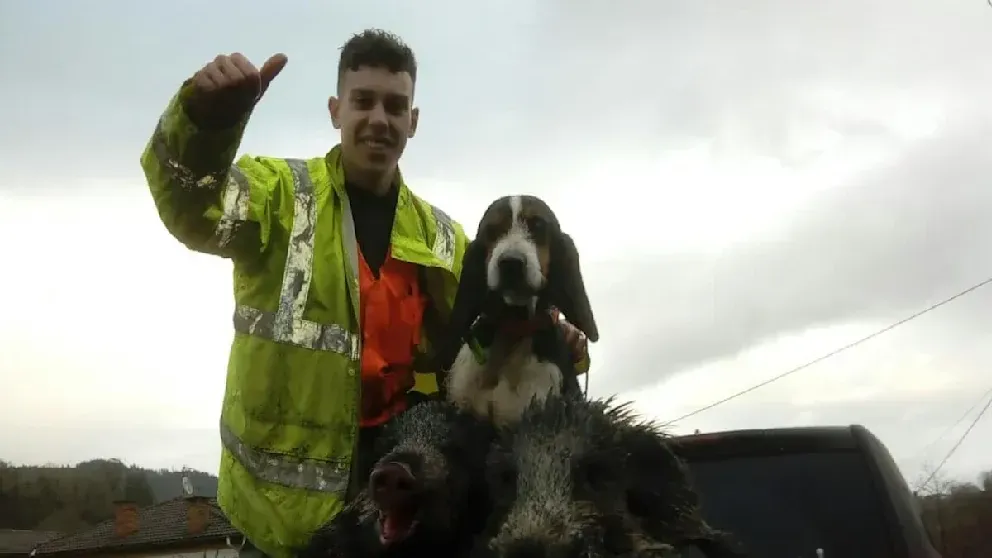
{"x": 596, "y": 473}
{"x": 507, "y": 477}
{"x": 491, "y": 233}
{"x": 538, "y": 227}
{"x": 396, "y": 105}
{"x": 364, "y": 102}
{"x": 536, "y": 224}
{"x": 503, "y": 475}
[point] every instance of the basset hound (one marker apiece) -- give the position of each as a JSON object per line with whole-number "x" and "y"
{"x": 505, "y": 347}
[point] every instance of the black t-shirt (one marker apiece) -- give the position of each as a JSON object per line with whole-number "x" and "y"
{"x": 374, "y": 216}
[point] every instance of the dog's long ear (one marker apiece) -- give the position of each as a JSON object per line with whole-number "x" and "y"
{"x": 472, "y": 291}
{"x": 567, "y": 289}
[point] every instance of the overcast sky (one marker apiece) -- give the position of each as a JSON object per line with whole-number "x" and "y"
{"x": 751, "y": 185}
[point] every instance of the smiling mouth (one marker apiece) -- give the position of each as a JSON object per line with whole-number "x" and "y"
{"x": 377, "y": 144}
{"x": 397, "y": 524}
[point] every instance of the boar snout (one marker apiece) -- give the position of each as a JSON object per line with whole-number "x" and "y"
{"x": 395, "y": 490}
{"x": 392, "y": 485}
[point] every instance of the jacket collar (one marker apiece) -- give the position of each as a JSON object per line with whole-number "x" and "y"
{"x": 335, "y": 171}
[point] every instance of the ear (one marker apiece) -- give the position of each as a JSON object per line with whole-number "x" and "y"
{"x": 472, "y": 292}
{"x": 334, "y": 108}
{"x": 656, "y": 478}
{"x": 567, "y": 290}
{"x": 659, "y": 491}
{"x": 414, "y": 120}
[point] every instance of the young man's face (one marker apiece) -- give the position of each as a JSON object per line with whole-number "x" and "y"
{"x": 376, "y": 117}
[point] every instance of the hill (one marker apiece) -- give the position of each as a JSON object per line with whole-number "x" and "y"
{"x": 167, "y": 485}
{"x": 67, "y": 498}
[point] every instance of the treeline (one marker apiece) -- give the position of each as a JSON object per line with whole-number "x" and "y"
{"x": 958, "y": 516}
{"x": 69, "y": 498}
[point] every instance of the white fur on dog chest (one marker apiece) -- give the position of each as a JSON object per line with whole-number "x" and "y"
{"x": 521, "y": 380}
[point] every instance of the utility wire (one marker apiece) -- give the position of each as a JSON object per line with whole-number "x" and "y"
{"x": 833, "y": 353}
{"x": 971, "y": 427}
{"x": 961, "y": 419}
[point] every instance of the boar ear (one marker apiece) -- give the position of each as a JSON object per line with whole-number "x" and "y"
{"x": 658, "y": 488}
{"x": 660, "y": 496}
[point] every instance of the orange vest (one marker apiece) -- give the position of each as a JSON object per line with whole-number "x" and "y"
{"x": 392, "y": 309}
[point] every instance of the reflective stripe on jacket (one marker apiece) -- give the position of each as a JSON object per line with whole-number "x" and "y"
{"x": 290, "y": 411}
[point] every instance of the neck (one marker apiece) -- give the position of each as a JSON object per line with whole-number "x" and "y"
{"x": 373, "y": 182}
{"x": 515, "y": 322}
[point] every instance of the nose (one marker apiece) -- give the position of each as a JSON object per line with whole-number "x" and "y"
{"x": 511, "y": 271}
{"x": 527, "y": 548}
{"x": 391, "y": 482}
{"x": 377, "y": 116}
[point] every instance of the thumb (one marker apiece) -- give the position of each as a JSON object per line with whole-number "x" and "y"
{"x": 271, "y": 69}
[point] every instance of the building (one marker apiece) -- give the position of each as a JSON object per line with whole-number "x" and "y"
{"x": 16, "y": 542}
{"x": 185, "y": 527}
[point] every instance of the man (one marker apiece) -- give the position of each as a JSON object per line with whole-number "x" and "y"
{"x": 341, "y": 278}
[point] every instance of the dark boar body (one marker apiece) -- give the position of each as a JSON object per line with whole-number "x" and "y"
{"x": 427, "y": 494}
{"x": 581, "y": 478}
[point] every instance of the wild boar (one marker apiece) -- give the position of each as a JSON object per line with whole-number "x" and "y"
{"x": 427, "y": 494}
{"x": 580, "y": 478}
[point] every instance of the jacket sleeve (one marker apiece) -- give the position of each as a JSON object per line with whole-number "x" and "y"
{"x": 206, "y": 202}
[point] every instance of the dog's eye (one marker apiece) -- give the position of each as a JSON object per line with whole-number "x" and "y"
{"x": 537, "y": 226}
{"x": 490, "y": 233}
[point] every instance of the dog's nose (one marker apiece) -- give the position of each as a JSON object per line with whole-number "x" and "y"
{"x": 511, "y": 270}
{"x": 391, "y": 482}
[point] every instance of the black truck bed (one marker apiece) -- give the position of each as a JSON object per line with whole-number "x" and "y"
{"x": 786, "y": 492}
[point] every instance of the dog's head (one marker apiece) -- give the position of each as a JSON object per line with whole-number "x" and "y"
{"x": 521, "y": 258}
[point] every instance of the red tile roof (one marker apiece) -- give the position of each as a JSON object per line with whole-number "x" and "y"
{"x": 15, "y": 541}
{"x": 163, "y": 524}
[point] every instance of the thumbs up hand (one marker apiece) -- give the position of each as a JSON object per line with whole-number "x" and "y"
{"x": 227, "y": 89}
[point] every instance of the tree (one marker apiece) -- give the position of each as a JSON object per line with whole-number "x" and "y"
{"x": 67, "y": 498}
{"x": 958, "y": 516}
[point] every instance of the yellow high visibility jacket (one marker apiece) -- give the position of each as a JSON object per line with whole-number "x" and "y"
{"x": 290, "y": 414}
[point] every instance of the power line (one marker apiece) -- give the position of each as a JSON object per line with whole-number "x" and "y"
{"x": 833, "y": 353}
{"x": 971, "y": 427}
{"x": 961, "y": 419}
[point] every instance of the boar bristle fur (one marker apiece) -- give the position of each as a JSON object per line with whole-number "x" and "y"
{"x": 587, "y": 478}
{"x": 445, "y": 450}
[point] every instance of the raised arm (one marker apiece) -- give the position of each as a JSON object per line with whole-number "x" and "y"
{"x": 205, "y": 201}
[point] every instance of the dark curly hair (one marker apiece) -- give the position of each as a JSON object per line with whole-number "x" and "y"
{"x": 375, "y": 48}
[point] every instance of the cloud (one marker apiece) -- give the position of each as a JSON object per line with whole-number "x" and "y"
{"x": 750, "y": 187}
{"x": 909, "y": 387}
{"x": 901, "y": 237}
